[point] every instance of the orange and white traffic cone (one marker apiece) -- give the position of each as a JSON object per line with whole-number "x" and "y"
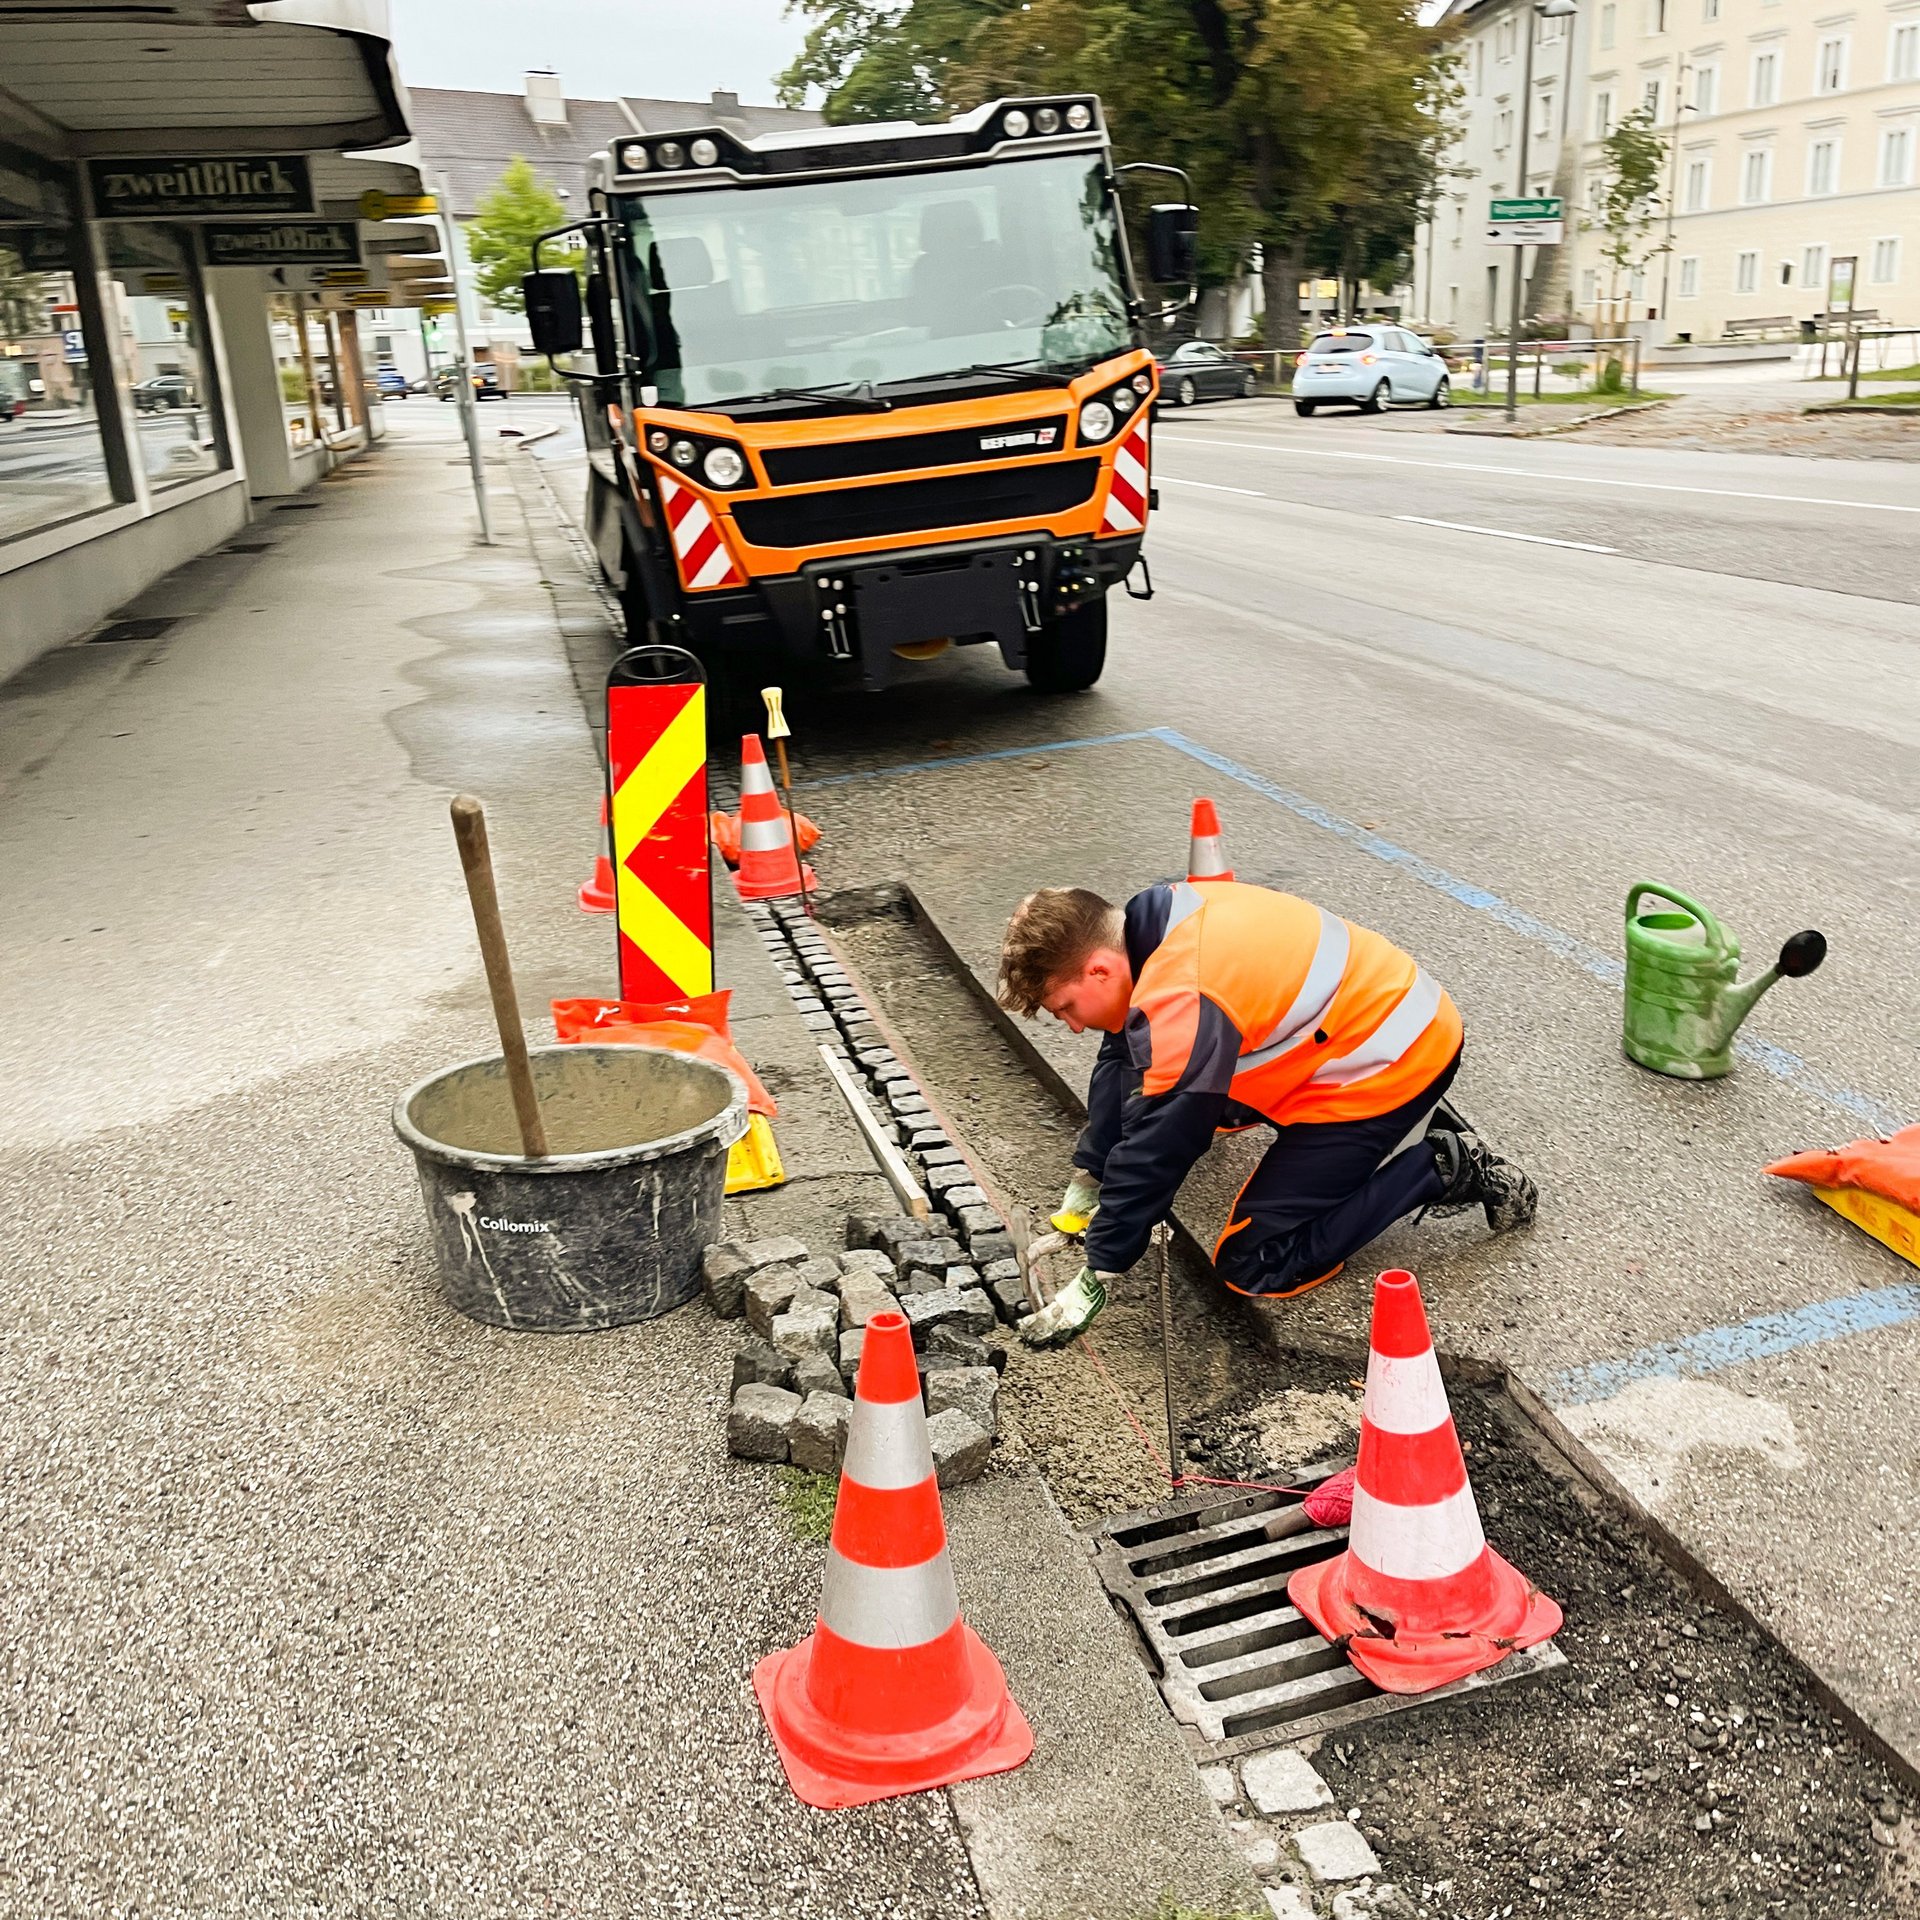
{"x": 1418, "y": 1598}
{"x": 1206, "y": 859}
{"x": 596, "y": 895}
{"x": 892, "y": 1692}
{"x": 769, "y": 866}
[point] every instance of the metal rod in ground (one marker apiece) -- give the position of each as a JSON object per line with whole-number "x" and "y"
{"x": 1166, "y": 1352}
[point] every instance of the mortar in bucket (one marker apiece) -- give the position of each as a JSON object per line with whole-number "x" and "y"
{"x": 1684, "y": 1003}
{"x": 608, "y": 1226}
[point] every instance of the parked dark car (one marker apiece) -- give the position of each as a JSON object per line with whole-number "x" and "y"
{"x": 486, "y": 382}
{"x": 390, "y": 383}
{"x": 1198, "y": 370}
{"x": 162, "y": 393}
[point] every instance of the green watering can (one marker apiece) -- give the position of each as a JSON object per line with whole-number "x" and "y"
{"x": 1683, "y": 1003}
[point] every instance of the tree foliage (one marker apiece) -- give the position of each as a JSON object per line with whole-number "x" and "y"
{"x": 23, "y": 296}
{"x": 1629, "y": 204}
{"x": 1310, "y": 128}
{"x": 505, "y": 224}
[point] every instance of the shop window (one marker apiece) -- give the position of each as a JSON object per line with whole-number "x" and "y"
{"x": 53, "y": 461}
{"x": 157, "y": 307}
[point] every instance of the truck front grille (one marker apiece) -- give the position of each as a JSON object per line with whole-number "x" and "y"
{"x": 902, "y": 452}
{"x": 915, "y": 506}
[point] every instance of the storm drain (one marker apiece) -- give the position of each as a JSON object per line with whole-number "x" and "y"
{"x": 1240, "y": 1668}
{"x": 123, "y": 631}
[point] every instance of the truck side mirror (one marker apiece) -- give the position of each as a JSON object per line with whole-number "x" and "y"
{"x": 552, "y": 299}
{"x": 1173, "y": 231}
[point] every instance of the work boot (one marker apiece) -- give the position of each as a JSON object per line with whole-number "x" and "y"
{"x": 1476, "y": 1175}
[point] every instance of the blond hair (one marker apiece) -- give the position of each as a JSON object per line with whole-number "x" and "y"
{"x": 1049, "y": 937}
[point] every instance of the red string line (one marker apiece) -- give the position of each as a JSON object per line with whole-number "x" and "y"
{"x": 1175, "y": 1479}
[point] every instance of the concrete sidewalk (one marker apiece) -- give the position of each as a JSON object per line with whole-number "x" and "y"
{"x": 324, "y": 1600}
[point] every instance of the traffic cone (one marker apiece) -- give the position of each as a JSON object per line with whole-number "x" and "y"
{"x": 596, "y": 895}
{"x": 769, "y": 867}
{"x": 1206, "y": 860}
{"x": 892, "y": 1692}
{"x": 1418, "y": 1598}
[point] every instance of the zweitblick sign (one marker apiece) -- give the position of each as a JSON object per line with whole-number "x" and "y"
{"x": 282, "y": 243}
{"x": 185, "y": 189}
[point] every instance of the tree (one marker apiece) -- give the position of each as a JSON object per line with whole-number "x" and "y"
{"x": 1310, "y": 128}
{"x": 500, "y": 236}
{"x": 23, "y": 296}
{"x": 1628, "y": 206}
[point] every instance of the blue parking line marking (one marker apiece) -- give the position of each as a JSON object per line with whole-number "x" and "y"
{"x": 1782, "y": 1064}
{"x": 1714, "y": 1348}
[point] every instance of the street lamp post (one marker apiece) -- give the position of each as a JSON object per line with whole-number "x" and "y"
{"x": 1540, "y": 10}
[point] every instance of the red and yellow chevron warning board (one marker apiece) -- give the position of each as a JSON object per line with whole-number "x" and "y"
{"x": 663, "y": 901}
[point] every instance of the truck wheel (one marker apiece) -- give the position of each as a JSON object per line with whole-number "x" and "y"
{"x": 1066, "y": 656}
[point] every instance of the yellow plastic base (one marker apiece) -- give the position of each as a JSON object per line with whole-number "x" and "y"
{"x": 1887, "y": 1220}
{"x": 753, "y": 1161}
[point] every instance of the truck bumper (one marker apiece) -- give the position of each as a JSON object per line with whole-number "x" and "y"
{"x": 847, "y": 617}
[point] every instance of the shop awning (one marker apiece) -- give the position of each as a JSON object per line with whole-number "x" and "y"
{"x": 201, "y": 77}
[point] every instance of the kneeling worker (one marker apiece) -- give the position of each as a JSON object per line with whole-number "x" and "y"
{"x": 1228, "y": 1006}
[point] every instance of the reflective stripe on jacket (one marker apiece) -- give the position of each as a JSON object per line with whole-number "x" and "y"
{"x": 1247, "y": 1004}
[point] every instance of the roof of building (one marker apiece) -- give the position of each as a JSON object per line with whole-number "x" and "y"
{"x": 469, "y": 137}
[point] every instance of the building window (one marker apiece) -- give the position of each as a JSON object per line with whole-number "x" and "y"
{"x": 1690, "y": 277}
{"x": 49, "y": 352}
{"x": 1699, "y": 182}
{"x": 157, "y": 306}
{"x": 1709, "y": 10}
{"x": 1766, "y": 79}
{"x": 1656, "y": 16}
{"x": 1813, "y": 267}
{"x": 1706, "y": 90}
{"x": 1756, "y": 176}
{"x": 1650, "y": 100}
{"x": 1903, "y": 51}
{"x": 1746, "y": 272}
{"x": 1589, "y": 286}
{"x": 1830, "y": 65}
{"x": 1886, "y": 262}
{"x": 1823, "y": 167}
{"x": 1503, "y": 40}
{"x": 1606, "y": 27}
{"x": 1503, "y": 130}
{"x": 1543, "y": 118}
{"x": 1479, "y": 67}
{"x": 1896, "y": 156}
{"x": 1602, "y": 114}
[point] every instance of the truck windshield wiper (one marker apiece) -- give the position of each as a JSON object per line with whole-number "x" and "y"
{"x": 1017, "y": 370}
{"x": 846, "y": 394}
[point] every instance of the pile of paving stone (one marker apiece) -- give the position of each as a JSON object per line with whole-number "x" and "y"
{"x": 806, "y": 1316}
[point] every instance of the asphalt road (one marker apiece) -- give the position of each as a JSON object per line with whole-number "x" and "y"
{"x": 1477, "y": 742}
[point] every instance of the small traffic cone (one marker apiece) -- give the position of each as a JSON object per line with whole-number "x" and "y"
{"x": 892, "y": 1692}
{"x": 1418, "y": 1599}
{"x": 596, "y": 895}
{"x": 1206, "y": 860}
{"x": 769, "y": 866}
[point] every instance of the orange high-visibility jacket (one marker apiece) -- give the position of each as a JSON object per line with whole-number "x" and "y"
{"x": 1247, "y": 1005}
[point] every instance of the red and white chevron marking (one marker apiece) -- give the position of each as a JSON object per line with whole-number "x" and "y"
{"x": 697, "y": 545}
{"x": 1127, "y": 492}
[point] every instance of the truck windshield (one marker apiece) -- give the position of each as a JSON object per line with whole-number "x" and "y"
{"x": 846, "y": 282}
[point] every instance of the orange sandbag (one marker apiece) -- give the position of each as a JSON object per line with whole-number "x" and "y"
{"x": 697, "y": 1026}
{"x": 726, "y": 835}
{"x": 1890, "y": 1167}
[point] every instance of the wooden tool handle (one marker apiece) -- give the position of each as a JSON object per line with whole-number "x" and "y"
{"x": 470, "y": 832}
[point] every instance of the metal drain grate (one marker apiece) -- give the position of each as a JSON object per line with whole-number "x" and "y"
{"x": 1238, "y": 1666}
{"x": 123, "y": 631}
{"x": 249, "y": 546}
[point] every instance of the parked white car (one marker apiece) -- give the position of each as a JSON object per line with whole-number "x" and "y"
{"x": 1372, "y": 368}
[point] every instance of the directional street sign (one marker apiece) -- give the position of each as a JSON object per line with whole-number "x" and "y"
{"x": 1538, "y": 222}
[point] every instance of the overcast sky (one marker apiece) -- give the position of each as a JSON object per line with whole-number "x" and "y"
{"x": 600, "y": 48}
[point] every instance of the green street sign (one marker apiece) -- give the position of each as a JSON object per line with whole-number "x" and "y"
{"x": 1545, "y": 207}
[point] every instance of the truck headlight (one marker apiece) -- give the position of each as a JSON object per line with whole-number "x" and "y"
{"x": 1079, "y": 116}
{"x": 1096, "y": 421}
{"x": 703, "y": 153}
{"x": 1124, "y": 399}
{"x": 1016, "y": 124}
{"x": 1047, "y": 120}
{"x": 724, "y": 467}
{"x": 670, "y": 154}
{"x": 684, "y": 453}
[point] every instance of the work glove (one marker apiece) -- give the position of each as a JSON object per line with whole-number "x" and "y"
{"x": 1070, "y": 1312}
{"x": 1080, "y": 1204}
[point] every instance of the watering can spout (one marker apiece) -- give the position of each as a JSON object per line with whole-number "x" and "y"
{"x": 1798, "y": 957}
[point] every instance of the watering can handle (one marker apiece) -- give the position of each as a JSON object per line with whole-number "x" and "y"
{"x": 1716, "y": 933}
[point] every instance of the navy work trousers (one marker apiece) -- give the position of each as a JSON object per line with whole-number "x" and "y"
{"x": 1323, "y": 1190}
